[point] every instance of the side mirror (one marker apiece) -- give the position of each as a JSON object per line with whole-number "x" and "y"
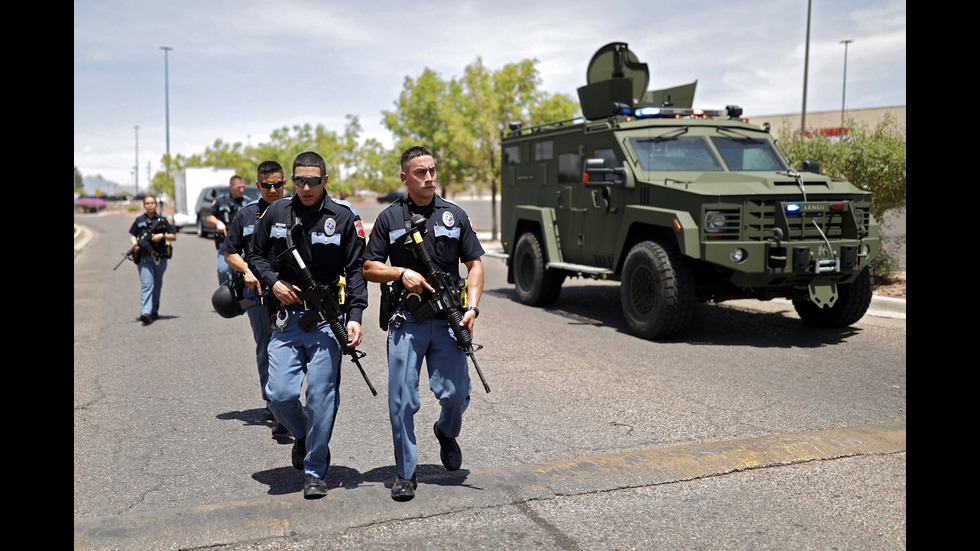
{"x": 811, "y": 166}
{"x": 597, "y": 175}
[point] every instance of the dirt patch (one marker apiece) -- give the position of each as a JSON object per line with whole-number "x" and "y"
{"x": 892, "y": 286}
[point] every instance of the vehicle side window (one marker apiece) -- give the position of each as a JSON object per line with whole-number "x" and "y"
{"x": 569, "y": 168}
{"x": 544, "y": 151}
{"x": 512, "y": 155}
{"x": 609, "y": 156}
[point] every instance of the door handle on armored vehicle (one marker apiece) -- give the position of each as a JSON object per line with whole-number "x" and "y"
{"x": 604, "y": 193}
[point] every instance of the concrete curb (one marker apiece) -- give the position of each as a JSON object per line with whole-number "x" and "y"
{"x": 369, "y": 503}
{"x": 887, "y": 307}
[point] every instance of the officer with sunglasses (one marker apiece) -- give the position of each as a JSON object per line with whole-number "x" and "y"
{"x": 270, "y": 185}
{"x": 329, "y": 237}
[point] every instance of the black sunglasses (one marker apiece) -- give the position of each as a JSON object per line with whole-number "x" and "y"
{"x": 270, "y": 185}
{"x": 307, "y": 180}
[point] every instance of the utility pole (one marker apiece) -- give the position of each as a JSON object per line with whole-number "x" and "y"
{"x": 166, "y": 96}
{"x": 136, "y": 165}
{"x": 806, "y": 68}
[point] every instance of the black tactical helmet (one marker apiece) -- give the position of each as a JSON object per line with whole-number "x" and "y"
{"x": 227, "y": 305}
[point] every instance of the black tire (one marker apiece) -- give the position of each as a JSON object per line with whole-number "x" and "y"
{"x": 200, "y": 228}
{"x": 657, "y": 291}
{"x": 853, "y": 301}
{"x": 536, "y": 285}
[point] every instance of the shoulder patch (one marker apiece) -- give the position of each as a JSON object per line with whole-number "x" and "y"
{"x": 359, "y": 227}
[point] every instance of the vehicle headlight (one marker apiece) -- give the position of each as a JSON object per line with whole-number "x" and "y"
{"x": 738, "y": 255}
{"x": 714, "y": 221}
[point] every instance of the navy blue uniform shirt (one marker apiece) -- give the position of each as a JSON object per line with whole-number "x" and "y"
{"x": 331, "y": 245}
{"x": 141, "y": 223}
{"x": 242, "y": 227}
{"x": 449, "y": 236}
{"x": 225, "y": 208}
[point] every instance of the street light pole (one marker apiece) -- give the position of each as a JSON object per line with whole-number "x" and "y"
{"x": 166, "y": 96}
{"x": 136, "y": 165}
{"x": 843, "y": 94}
{"x": 806, "y": 68}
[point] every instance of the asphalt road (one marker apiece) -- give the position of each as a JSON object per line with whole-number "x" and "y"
{"x": 754, "y": 431}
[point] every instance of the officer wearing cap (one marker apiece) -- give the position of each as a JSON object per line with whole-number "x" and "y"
{"x": 329, "y": 238}
{"x": 239, "y": 236}
{"x": 412, "y": 335}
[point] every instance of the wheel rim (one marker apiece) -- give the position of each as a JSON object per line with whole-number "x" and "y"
{"x": 641, "y": 290}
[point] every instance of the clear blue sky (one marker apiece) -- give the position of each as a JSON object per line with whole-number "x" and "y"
{"x": 240, "y": 69}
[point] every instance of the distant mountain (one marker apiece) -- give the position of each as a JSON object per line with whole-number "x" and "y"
{"x": 104, "y": 187}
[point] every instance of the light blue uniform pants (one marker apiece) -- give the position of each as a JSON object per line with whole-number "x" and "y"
{"x": 224, "y": 270}
{"x": 151, "y": 280}
{"x": 449, "y": 380}
{"x": 316, "y": 354}
{"x": 260, "y": 332}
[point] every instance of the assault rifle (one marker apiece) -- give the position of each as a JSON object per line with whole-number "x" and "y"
{"x": 323, "y": 304}
{"x": 143, "y": 242}
{"x": 445, "y": 301}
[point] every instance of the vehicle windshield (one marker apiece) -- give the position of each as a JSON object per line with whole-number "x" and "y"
{"x": 673, "y": 152}
{"x": 747, "y": 154}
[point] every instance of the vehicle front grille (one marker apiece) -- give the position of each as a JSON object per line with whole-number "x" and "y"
{"x": 757, "y": 219}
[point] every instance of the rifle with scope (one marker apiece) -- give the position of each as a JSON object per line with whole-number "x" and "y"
{"x": 446, "y": 299}
{"x": 323, "y": 304}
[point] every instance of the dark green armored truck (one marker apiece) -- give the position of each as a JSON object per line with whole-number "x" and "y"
{"x": 682, "y": 206}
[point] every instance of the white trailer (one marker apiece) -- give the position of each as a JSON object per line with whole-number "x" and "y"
{"x": 187, "y": 187}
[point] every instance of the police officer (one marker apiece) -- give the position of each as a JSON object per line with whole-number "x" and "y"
{"x": 152, "y": 262}
{"x": 223, "y": 210}
{"x": 329, "y": 237}
{"x": 451, "y": 240}
{"x": 239, "y": 236}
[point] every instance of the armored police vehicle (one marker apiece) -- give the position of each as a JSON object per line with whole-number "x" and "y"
{"x": 681, "y": 205}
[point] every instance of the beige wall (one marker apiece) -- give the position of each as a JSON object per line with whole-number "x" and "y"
{"x": 819, "y": 120}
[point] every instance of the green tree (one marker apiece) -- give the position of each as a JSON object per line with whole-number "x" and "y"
{"x": 462, "y": 120}
{"x": 79, "y": 185}
{"x": 491, "y": 100}
{"x": 421, "y": 117}
{"x": 375, "y": 167}
{"x": 340, "y": 151}
{"x": 871, "y": 158}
